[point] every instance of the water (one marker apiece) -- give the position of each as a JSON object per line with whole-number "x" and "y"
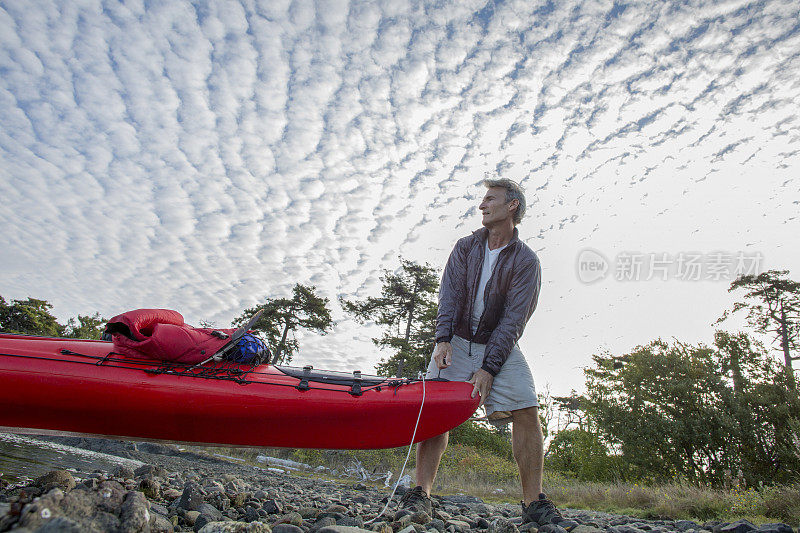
{"x": 26, "y": 457}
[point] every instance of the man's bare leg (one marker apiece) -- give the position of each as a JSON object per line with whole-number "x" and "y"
{"x": 429, "y": 453}
{"x": 527, "y": 444}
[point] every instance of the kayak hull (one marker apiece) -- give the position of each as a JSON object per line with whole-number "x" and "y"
{"x": 43, "y": 388}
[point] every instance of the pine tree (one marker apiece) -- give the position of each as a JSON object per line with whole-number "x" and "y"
{"x": 407, "y": 309}
{"x": 283, "y": 316}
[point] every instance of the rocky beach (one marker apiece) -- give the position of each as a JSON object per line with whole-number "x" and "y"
{"x": 175, "y": 490}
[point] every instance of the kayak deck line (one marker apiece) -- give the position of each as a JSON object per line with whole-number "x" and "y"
{"x": 225, "y": 371}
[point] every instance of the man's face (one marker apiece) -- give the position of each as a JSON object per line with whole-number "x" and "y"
{"x": 494, "y": 207}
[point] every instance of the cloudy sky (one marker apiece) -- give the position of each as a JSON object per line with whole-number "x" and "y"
{"x": 204, "y": 156}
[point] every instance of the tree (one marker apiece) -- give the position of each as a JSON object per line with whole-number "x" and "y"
{"x": 29, "y": 317}
{"x": 581, "y": 453}
{"x": 407, "y": 309}
{"x": 573, "y": 407}
{"x": 661, "y": 410}
{"x": 773, "y": 307}
{"x": 282, "y": 316}
{"x": 85, "y": 327}
{"x": 702, "y": 414}
{"x": 766, "y": 411}
{"x": 483, "y": 437}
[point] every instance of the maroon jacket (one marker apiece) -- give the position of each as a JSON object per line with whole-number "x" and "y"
{"x": 509, "y": 299}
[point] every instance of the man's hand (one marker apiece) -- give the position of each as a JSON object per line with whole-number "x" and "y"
{"x": 443, "y": 354}
{"x": 481, "y": 384}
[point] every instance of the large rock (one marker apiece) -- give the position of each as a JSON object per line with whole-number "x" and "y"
{"x": 502, "y": 525}
{"x": 342, "y": 529}
{"x": 160, "y": 524}
{"x": 156, "y": 448}
{"x": 420, "y": 517}
{"x": 219, "y": 500}
{"x": 151, "y": 471}
{"x": 192, "y": 497}
{"x": 437, "y": 524}
{"x": 286, "y": 528}
{"x": 586, "y": 529}
{"x": 79, "y": 503}
{"x": 238, "y": 499}
{"x": 305, "y": 512}
{"x": 291, "y": 518}
{"x": 123, "y": 472}
{"x": 101, "y": 521}
{"x": 353, "y": 521}
{"x": 461, "y": 499}
{"x": 235, "y": 527}
{"x": 60, "y": 524}
{"x": 39, "y": 512}
{"x": 273, "y": 507}
{"x": 459, "y": 525}
{"x": 251, "y": 514}
{"x": 741, "y": 526}
{"x": 323, "y": 522}
{"x": 482, "y": 509}
{"x": 134, "y": 514}
{"x": 92, "y": 511}
{"x": 171, "y": 494}
{"x": 150, "y": 487}
{"x": 210, "y": 510}
{"x": 775, "y": 528}
{"x": 233, "y": 484}
{"x": 202, "y": 520}
{"x": 111, "y": 495}
{"x": 552, "y": 528}
{"x": 569, "y": 525}
{"x": 61, "y": 479}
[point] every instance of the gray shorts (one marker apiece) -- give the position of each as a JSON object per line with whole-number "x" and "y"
{"x": 512, "y": 387}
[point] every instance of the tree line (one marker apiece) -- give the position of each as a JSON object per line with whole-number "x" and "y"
{"x": 33, "y": 317}
{"x": 665, "y": 411}
{"x": 406, "y": 309}
{"x": 716, "y": 415}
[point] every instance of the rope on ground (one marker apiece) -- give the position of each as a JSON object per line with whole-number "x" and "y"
{"x": 411, "y": 445}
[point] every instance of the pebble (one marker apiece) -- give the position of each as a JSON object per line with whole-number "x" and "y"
{"x": 286, "y": 528}
{"x": 172, "y": 494}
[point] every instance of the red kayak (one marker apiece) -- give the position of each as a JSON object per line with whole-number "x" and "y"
{"x": 81, "y": 386}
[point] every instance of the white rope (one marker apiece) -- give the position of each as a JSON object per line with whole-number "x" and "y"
{"x": 413, "y": 436}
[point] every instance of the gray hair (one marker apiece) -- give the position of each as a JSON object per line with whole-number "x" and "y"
{"x": 513, "y": 192}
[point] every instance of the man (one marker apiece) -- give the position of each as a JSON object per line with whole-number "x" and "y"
{"x": 489, "y": 291}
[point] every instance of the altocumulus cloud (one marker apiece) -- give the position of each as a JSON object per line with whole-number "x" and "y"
{"x": 205, "y": 156}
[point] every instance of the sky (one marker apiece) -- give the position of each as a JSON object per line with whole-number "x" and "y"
{"x": 205, "y": 156}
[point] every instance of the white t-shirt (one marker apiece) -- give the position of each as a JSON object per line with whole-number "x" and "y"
{"x": 489, "y": 260}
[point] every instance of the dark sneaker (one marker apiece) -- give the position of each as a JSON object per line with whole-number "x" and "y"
{"x": 541, "y": 511}
{"x": 415, "y": 500}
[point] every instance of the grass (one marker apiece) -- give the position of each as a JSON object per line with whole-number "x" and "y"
{"x": 467, "y": 470}
{"x": 679, "y": 501}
